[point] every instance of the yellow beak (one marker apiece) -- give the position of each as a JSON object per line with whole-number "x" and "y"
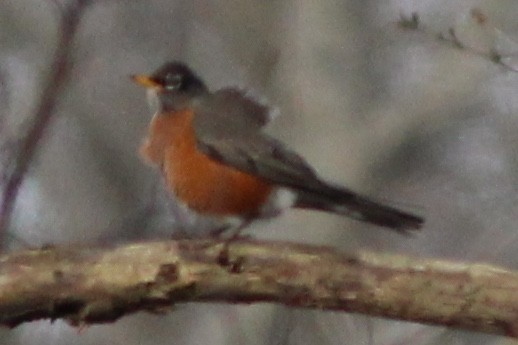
{"x": 145, "y": 81}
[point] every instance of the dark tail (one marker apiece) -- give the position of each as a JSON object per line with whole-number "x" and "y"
{"x": 345, "y": 202}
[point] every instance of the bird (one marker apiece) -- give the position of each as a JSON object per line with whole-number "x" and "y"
{"x": 217, "y": 160}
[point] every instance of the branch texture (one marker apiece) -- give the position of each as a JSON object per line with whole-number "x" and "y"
{"x": 100, "y": 285}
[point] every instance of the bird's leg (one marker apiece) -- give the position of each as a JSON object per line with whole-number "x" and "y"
{"x": 236, "y": 232}
{"x": 223, "y": 256}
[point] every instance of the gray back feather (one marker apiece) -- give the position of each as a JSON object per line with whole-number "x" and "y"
{"x": 228, "y": 127}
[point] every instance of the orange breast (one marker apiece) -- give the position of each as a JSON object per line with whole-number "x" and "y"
{"x": 200, "y": 182}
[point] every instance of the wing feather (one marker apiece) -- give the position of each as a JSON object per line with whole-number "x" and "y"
{"x": 228, "y": 129}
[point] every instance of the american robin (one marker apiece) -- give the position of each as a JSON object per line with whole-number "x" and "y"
{"x": 216, "y": 159}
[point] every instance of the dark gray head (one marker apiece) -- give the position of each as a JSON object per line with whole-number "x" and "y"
{"x": 174, "y": 83}
{"x": 177, "y": 77}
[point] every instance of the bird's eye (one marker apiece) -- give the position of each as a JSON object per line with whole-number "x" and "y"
{"x": 172, "y": 81}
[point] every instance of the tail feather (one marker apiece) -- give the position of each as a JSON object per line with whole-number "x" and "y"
{"x": 345, "y": 202}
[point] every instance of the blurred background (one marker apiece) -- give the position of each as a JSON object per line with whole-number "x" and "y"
{"x": 430, "y": 124}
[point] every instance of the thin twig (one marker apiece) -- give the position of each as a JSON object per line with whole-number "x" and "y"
{"x": 59, "y": 70}
{"x": 414, "y": 23}
{"x": 92, "y": 285}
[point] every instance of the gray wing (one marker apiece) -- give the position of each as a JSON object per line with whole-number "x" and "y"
{"x": 230, "y": 132}
{"x": 267, "y": 158}
{"x": 262, "y": 156}
{"x": 228, "y": 126}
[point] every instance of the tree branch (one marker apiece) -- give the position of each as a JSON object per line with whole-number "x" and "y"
{"x": 99, "y": 285}
{"x": 60, "y": 67}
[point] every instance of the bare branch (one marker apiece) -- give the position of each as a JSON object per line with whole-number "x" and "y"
{"x": 99, "y": 285}
{"x": 413, "y": 23}
{"x": 59, "y": 69}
